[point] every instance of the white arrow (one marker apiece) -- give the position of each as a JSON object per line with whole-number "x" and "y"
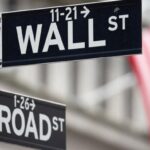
{"x": 33, "y": 105}
{"x": 86, "y": 12}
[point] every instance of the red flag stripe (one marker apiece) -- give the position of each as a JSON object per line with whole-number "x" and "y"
{"x": 141, "y": 66}
{"x": 146, "y": 45}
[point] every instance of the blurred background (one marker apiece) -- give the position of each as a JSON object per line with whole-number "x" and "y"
{"x": 107, "y": 108}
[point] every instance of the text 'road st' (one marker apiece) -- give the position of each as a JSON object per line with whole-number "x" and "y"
{"x": 27, "y": 121}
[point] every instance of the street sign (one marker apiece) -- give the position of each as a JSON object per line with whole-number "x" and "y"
{"x": 31, "y": 122}
{"x": 72, "y": 32}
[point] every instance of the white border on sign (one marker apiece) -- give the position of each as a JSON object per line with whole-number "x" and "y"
{"x": 0, "y": 40}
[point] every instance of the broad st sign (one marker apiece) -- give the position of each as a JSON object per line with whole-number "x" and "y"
{"x": 31, "y": 122}
{"x": 71, "y": 32}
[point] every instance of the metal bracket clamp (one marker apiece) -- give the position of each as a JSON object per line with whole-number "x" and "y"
{"x": 0, "y": 40}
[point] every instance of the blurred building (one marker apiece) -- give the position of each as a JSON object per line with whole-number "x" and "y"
{"x": 104, "y": 104}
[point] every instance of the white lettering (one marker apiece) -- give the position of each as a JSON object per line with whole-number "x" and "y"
{"x": 93, "y": 43}
{"x": 29, "y": 36}
{"x": 31, "y": 126}
{"x": 124, "y": 17}
{"x": 57, "y": 41}
{"x": 46, "y": 137}
{"x": 61, "y": 120}
{"x": 71, "y": 44}
{"x": 55, "y": 124}
{"x": 17, "y": 123}
{"x": 5, "y": 120}
{"x": 18, "y": 112}
{"x": 113, "y": 23}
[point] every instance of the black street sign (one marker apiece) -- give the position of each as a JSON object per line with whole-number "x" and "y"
{"x": 30, "y": 122}
{"x": 72, "y": 32}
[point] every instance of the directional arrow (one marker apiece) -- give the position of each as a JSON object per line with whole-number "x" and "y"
{"x": 33, "y": 105}
{"x": 86, "y": 11}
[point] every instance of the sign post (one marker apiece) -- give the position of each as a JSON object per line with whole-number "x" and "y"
{"x": 72, "y": 32}
{"x": 31, "y": 122}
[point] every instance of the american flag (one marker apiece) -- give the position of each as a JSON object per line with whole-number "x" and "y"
{"x": 141, "y": 67}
